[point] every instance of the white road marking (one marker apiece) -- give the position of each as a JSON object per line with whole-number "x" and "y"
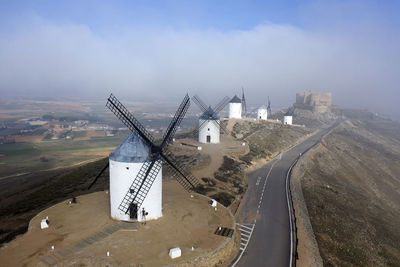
{"x": 246, "y": 227}
{"x": 265, "y": 184}
{"x": 246, "y": 230}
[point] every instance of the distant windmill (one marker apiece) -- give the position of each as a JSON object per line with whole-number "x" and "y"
{"x": 135, "y": 167}
{"x": 244, "y": 107}
{"x": 235, "y": 108}
{"x": 288, "y": 117}
{"x": 262, "y": 113}
{"x": 209, "y": 122}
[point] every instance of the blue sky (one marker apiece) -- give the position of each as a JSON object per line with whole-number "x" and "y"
{"x": 100, "y": 15}
{"x": 222, "y": 15}
{"x": 274, "y": 48}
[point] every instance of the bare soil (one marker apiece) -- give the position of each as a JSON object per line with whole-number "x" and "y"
{"x": 187, "y": 222}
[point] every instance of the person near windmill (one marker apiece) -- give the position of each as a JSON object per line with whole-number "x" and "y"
{"x": 144, "y": 213}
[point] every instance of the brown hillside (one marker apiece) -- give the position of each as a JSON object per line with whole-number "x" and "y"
{"x": 351, "y": 185}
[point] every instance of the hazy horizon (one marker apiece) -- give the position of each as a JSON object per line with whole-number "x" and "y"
{"x": 162, "y": 50}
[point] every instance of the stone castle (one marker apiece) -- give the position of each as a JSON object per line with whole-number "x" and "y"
{"x": 315, "y": 101}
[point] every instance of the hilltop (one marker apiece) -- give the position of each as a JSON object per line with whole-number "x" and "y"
{"x": 221, "y": 168}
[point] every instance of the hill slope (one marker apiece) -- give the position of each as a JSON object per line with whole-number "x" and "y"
{"x": 351, "y": 185}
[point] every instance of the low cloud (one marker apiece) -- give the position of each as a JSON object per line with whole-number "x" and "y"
{"x": 358, "y": 64}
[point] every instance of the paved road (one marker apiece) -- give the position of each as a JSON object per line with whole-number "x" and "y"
{"x": 265, "y": 206}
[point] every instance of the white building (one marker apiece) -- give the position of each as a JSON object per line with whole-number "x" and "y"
{"x": 125, "y": 163}
{"x": 288, "y": 118}
{"x": 235, "y": 108}
{"x": 209, "y": 130}
{"x": 262, "y": 113}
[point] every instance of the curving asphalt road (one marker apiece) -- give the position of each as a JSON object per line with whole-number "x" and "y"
{"x": 265, "y": 206}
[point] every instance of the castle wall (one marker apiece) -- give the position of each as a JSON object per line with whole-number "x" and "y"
{"x": 314, "y": 101}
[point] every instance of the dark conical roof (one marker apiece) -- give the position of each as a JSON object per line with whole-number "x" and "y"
{"x": 132, "y": 149}
{"x": 262, "y": 107}
{"x": 209, "y": 114}
{"x": 289, "y": 113}
{"x": 235, "y": 99}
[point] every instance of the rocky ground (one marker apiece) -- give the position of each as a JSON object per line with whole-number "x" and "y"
{"x": 308, "y": 118}
{"x": 351, "y": 186}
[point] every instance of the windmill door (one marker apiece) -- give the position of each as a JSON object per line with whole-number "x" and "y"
{"x": 208, "y": 139}
{"x": 133, "y": 209}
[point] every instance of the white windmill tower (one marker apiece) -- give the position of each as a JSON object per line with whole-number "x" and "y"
{"x": 262, "y": 113}
{"x": 235, "y": 108}
{"x": 209, "y": 122}
{"x": 135, "y": 167}
{"x": 125, "y": 163}
{"x": 288, "y": 118}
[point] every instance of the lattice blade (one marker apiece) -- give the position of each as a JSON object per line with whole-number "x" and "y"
{"x": 128, "y": 119}
{"x": 269, "y": 108}
{"x": 141, "y": 185}
{"x": 221, "y": 104}
{"x": 175, "y": 122}
{"x": 201, "y": 126}
{"x": 199, "y": 103}
{"x": 218, "y": 123}
{"x": 244, "y": 108}
{"x": 197, "y": 129}
{"x": 98, "y": 175}
{"x": 186, "y": 179}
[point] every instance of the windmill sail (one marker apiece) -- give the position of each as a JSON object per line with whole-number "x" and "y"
{"x": 153, "y": 164}
{"x": 244, "y": 108}
{"x": 138, "y": 190}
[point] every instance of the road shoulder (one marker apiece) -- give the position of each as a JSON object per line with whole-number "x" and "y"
{"x": 307, "y": 248}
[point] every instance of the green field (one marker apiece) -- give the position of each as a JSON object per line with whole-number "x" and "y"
{"x": 30, "y": 157}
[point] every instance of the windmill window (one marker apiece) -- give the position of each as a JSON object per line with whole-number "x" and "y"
{"x": 127, "y": 168}
{"x": 208, "y": 128}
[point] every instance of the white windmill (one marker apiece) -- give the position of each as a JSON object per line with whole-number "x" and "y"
{"x": 235, "y": 108}
{"x": 209, "y": 122}
{"x": 288, "y": 118}
{"x": 262, "y": 113}
{"x": 135, "y": 167}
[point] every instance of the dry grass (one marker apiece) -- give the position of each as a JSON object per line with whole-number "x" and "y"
{"x": 266, "y": 139}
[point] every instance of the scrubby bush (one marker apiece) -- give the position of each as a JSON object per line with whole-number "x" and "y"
{"x": 223, "y": 198}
